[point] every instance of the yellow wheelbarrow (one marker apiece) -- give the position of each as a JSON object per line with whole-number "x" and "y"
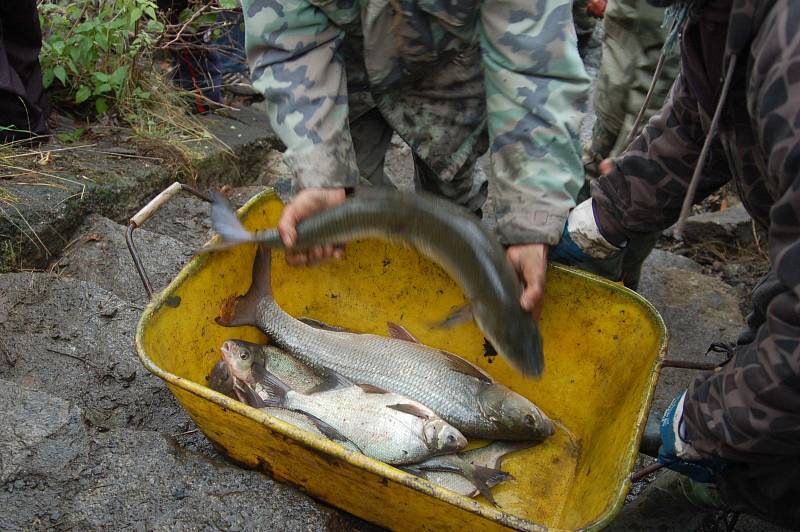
{"x": 603, "y": 346}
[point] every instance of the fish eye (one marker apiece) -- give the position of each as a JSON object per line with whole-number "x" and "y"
{"x": 244, "y": 356}
{"x": 529, "y": 419}
{"x": 451, "y": 439}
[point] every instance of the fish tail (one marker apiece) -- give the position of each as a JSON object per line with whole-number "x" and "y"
{"x": 486, "y": 477}
{"x": 245, "y": 308}
{"x": 226, "y": 223}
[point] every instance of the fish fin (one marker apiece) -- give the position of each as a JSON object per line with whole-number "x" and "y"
{"x": 484, "y": 478}
{"x": 456, "y": 363}
{"x": 333, "y": 381}
{"x": 245, "y": 308}
{"x": 259, "y": 372}
{"x": 246, "y": 394}
{"x": 328, "y": 431}
{"x": 408, "y": 408}
{"x": 276, "y": 388}
{"x": 398, "y": 332}
{"x": 226, "y": 223}
{"x": 324, "y": 326}
{"x": 458, "y": 315}
{"x": 368, "y": 388}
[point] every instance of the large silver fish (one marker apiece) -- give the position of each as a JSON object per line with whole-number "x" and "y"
{"x": 438, "y": 229}
{"x": 221, "y": 379}
{"x": 383, "y": 425}
{"x": 470, "y": 472}
{"x": 460, "y": 392}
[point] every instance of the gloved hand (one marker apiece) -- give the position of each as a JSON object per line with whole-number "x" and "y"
{"x": 582, "y": 242}
{"x": 678, "y": 454}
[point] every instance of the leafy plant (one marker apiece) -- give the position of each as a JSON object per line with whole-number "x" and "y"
{"x": 92, "y": 49}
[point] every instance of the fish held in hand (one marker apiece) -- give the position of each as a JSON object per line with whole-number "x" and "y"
{"x": 445, "y": 233}
{"x": 382, "y": 425}
{"x": 460, "y": 392}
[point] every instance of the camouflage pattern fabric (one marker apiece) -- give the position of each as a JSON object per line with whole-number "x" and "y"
{"x": 584, "y": 22}
{"x": 632, "y": 43}
{"x": 748, "y": 413}
{"x": 451, "y": 78}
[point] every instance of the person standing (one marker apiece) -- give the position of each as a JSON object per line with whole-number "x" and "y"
{"x": 452, "y": 79}
{"x": 23, "y": 104}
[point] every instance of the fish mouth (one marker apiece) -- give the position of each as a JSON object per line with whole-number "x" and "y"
{"x": 227, "y": 349}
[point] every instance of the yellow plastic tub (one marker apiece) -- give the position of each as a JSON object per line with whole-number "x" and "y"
{"x": 603, "y": 345}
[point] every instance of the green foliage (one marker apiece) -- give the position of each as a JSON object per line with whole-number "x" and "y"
{"x": 92, "y": 49}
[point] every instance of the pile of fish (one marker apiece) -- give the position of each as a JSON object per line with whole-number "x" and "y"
{"x": 390, "y": 398}
{"x": 446, "y": 233}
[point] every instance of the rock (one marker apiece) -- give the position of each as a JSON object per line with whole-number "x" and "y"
{"x": 43, "y": 451}
{"x": 32, "y": 429}
{"x": 697, "y": 309}
{"x": 145, "y": 480}
{"x": 729, "y": 226}
{"x": 56, "y": 473}
{"x": 59, "y": 339}
{"x": 659, "y": 258}
{"x": 186, "y": 218}
{"x": 100, "y": 255}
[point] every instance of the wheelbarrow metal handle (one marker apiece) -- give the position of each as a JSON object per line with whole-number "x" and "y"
{"x": 144, "y": 214}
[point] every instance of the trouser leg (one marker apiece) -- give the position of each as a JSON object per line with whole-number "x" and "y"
{"x": 371, "y": 137}
{"x": 466, "y": 188}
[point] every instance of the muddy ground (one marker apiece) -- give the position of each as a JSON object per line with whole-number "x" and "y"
{"x": 91, "y": 440}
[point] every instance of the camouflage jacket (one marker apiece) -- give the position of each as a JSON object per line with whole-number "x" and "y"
{"x": 750, "y": 410}
{"x": 319, "y": 61}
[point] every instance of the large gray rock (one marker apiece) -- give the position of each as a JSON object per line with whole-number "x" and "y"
{"x": 74, "y": 340}
{"x": 697, "y": 309}
{"x": 729, "y": 226}
{"x": 100, "y": 255}
{"x": 56, "y": 473}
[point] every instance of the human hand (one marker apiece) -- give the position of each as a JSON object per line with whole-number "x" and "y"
{"x": 596, "y": 8}
{"x": 530, "y": 263}
{"x": 305, "y": 204}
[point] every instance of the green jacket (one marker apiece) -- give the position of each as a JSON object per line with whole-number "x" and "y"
{"x": 441, "y": 73}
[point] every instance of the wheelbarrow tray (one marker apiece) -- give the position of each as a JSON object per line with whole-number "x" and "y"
{"x": 603, "y": 345}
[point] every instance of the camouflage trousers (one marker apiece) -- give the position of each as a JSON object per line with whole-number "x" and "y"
{"x": 631, "y": 48}
{"x": 442, "y": 118}
{"x": 584, "y": 23}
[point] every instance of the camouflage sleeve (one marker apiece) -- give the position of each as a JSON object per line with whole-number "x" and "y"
{"x": 292, "y": 49}
{"x": 644, "y": 193}
{"x": 536, "y": 90}
{"x": 750, "y": 410}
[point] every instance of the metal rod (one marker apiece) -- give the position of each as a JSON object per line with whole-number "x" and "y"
{"x": 688, "y": 201}
{"x": 687, "y": 364}
{"x": 648, "y": 97}
{"x": 652, "y": 468}
{"x": 137, "y": 262}
{"x": 143, "y": 215}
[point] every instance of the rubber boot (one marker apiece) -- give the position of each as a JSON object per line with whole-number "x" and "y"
{"x": 672, "y": 502}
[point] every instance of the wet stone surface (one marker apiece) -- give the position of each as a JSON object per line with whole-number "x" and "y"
{"x": 65, "y": 475}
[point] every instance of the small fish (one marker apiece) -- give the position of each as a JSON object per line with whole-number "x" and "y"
{"x": 247, "y": 361}
{"x": 460, "y": 392}
{"x": 382, "y": 425}
{"x": 472, "y": 472}
{"x": 438, "y": 229}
